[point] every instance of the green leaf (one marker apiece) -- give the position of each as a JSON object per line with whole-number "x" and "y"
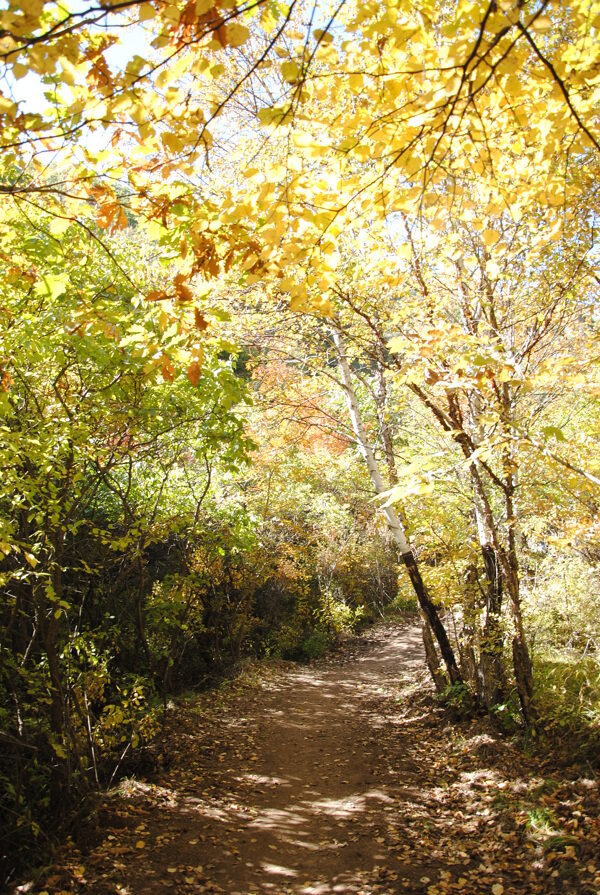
{"x": 53, "y": 285}
{"x": 553, "y": 432}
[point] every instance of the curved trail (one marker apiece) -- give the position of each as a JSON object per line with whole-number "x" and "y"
{"x": 317, "y": 778}
{"x": 304, "y": 807}
{"x": 339, "y": 777}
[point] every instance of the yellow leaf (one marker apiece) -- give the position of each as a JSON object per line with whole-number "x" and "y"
{"x": 297, "y": 303}
{"x": 7, "y": 107}
{"x": 490, "y": 237}
{"x": 250, "y": 261}
{"x": 513, "y": 85}
{"x": 172, "y": 142}
{"x": 59, "y": 226}
{"x": 302, "y": 140}
{"x": 542, "y": 24}
{"x": 267, "y": 20}
{"x": 322, "y": 36}
{"x": 290, "y": 71}
{"x": 237, "y": 35}
{"x": 19, "y": 70}
{"x": 325, "y": 307}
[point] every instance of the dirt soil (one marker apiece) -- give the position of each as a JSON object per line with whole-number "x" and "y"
{"x": 343, "y": 776}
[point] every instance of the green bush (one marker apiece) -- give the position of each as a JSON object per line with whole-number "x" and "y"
{"x": 568, "y": 698}
{"x": 336, "y": 617}
{"x": 402, "y": 604}
{"x": 317, "y": 644}
{"x": 562, "y": 600}
{"x": 508, "y": 712}
{"x": 458, "y": 699}
{"x": 287, "y": 642}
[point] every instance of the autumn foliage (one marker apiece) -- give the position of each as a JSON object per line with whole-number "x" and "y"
{"x": 299, "y": 319}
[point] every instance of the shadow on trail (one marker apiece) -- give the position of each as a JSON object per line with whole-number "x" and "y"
{"x": 296, "y": 799}
{"x": 339, "y": 777}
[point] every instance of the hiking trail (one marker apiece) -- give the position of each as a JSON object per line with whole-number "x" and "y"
{"x": 342, "y": 776}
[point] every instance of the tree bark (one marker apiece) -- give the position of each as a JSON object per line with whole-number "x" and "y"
{"x": 490, "y": 672}
{"x": 394, "y": 524}
{"x": 431, "y": 654}
{"x": 522, "y": 664}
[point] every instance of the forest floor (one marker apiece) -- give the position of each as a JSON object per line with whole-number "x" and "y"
{"x": 343, "y": 776}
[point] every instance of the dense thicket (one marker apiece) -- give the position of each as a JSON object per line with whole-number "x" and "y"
{"x": 142, "y": 550}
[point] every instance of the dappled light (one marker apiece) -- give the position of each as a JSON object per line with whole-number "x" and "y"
{"x": 339, "y": 777}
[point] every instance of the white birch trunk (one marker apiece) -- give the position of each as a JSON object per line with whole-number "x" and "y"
{"x": 393, "y": 520}
{"x": 397, "y": 530}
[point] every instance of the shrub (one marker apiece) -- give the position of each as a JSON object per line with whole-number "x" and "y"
{"x": 568, "y": 697}
{"x": 317, "y": 644}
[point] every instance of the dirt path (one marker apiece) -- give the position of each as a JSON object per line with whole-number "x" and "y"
{"x": 340, "y": 777}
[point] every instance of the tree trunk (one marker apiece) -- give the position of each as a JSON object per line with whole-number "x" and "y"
{"x": 490, "y": 670}
{"x": 431, "y": 654}
{"x": 395, "y": 525}
{"x": 522, "y": 664}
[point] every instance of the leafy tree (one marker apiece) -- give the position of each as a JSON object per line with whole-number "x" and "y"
{"x": 106, "y": 449}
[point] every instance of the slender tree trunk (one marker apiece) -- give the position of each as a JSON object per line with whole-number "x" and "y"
{"x": 508, "y": 563}
{"x": 491, "y": 680}
{"x": 522, "y": 664}
{"x": 395, "y": 525}
{"x": 491, "y": 670}
{"x": 431, "y": 654}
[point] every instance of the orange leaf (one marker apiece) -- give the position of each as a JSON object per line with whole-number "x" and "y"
{"x": 221, "y": 34}
{"x": 111, "y": 217}
{"x": 184, "y": 293}
{"x": 167, "y": 369}
{"x": 193, "y": 372}
{"x": 200, "y": 320}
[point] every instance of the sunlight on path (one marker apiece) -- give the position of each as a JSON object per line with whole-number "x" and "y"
{"x": 340, "y": 777}
{"x": 293, "y": 797}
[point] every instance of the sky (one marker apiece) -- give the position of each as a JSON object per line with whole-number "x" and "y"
{"x": 29, "y": 90}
